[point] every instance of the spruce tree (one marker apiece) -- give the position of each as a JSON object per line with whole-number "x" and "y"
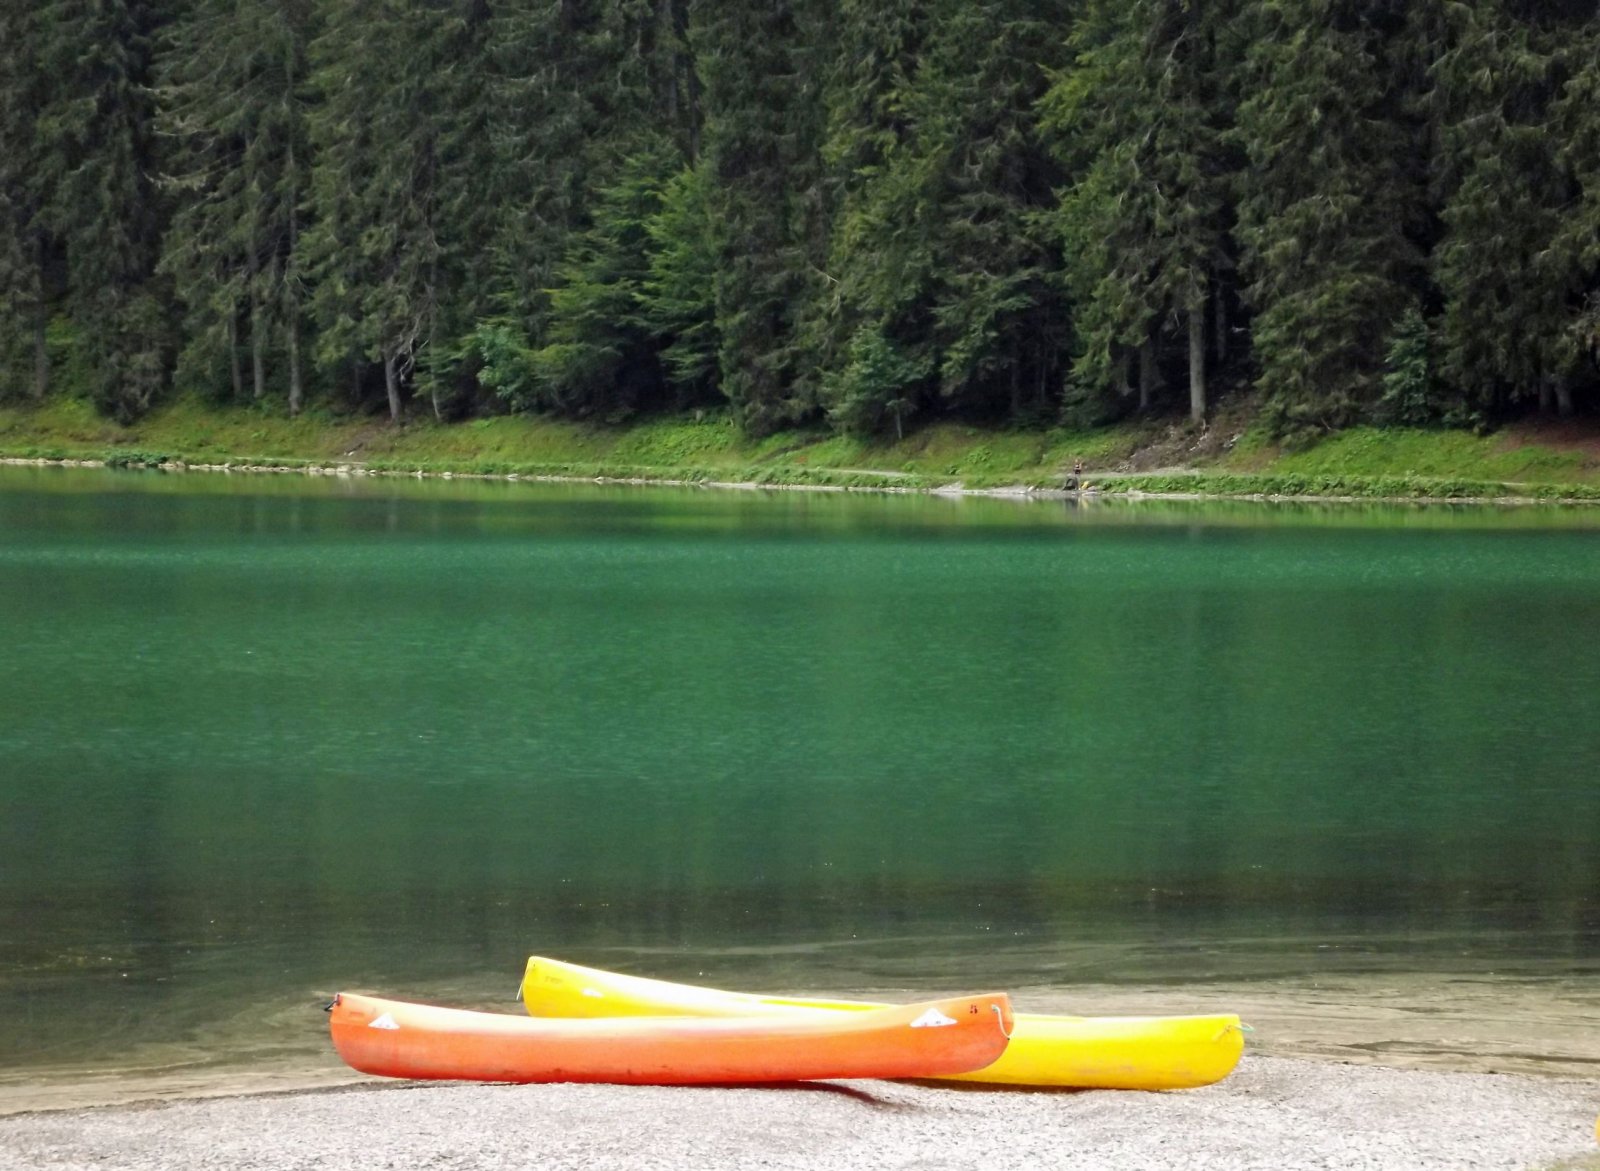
{"x": 762, "y": 107}
{"x": 389, "y": 184}
{"x": 233, "y": 102}
{"x": 25, "y": 245}
{"x": 1334, "y": 201}
{"x": 599, "y": 353}
{"x": 869, "y": 326}
{"x": 995, "y": 307}
{"x": 941, "y": 276}
{"x": 1506, "y": 280}
{"x": 1142, "y": 122}
{"x": 1577, "y": 128}
{"x": 678, "y": 295}
{"x": 93, "y": 162}
{"x": 595, "y": 103}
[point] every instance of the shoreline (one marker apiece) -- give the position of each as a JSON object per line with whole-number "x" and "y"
{"x": 1278, "y": 1112}
{"x": 60, "y": 1090}
{"x": 356, "y": 469}
{"x": 1468, "y": 1022}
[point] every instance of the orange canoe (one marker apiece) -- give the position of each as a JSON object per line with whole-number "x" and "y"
{"x": 396, "y": 1038}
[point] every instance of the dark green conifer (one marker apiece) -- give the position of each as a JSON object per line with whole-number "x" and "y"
{"x": 596, "y": 110}
{"x": 391, "y": 184}
{"x": 1333, "y": 206}
{"x": 761, "y": 98}
{"x": 25, "y": 245}
{"x": 940, "y": 278}
{"x": 1576, "y": 119}
{"x": 678, "y": 294}
{"x": 1142, "y": 121}
{"x": 92, "y": 193}
{"x": 233, "y": 104}
{"x": 599, "y": 352}
{"x": 1509, "y": 267}
{"x": 998, "y": 321}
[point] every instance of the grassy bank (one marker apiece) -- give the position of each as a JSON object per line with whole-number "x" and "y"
{"x": 1227, "y": 458}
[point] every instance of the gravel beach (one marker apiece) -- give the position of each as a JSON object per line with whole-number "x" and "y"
{"x": 1273, "y": 1113}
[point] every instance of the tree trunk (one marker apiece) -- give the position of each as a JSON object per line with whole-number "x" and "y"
{"x": 391, "y": 383}
{"x": 1197, "y": 364}
{"x": 296, "y": 387}
{"x": 291, "y": 294}
{"x": 1563, "y": 393}
{"x": 258, "y": 357}
{"x": 1149, "y": 374}
{"x": 233, "y": 357}
{"x": 433, "y": 321}
{"x": 1222, "y": 327}
{"x": 41, "y": 358}
{"x": 258, "y": 371}
{"x": 666, "y": 29}
{"x": 683, "y": 58}
{"x": 41, "y": 346}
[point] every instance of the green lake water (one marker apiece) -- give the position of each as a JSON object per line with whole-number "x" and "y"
{"x": 263, "y": 738}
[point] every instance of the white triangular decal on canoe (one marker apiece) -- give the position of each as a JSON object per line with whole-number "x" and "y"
{"x": 932, "y": 1019}
{"x": 384, "y": 1022}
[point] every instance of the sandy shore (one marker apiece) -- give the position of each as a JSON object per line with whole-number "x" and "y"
{"x": 1277, "y": 1113}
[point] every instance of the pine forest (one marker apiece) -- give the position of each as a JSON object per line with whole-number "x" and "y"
{"x": 866, "y": 214}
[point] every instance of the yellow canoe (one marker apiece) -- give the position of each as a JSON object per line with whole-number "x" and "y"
{"x": 1116, "y": 1053}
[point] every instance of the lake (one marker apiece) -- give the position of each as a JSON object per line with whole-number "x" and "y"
{"x": 266, "y": 737}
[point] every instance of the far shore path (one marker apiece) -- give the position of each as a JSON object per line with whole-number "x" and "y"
{"x": 1275, "y": 1113}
